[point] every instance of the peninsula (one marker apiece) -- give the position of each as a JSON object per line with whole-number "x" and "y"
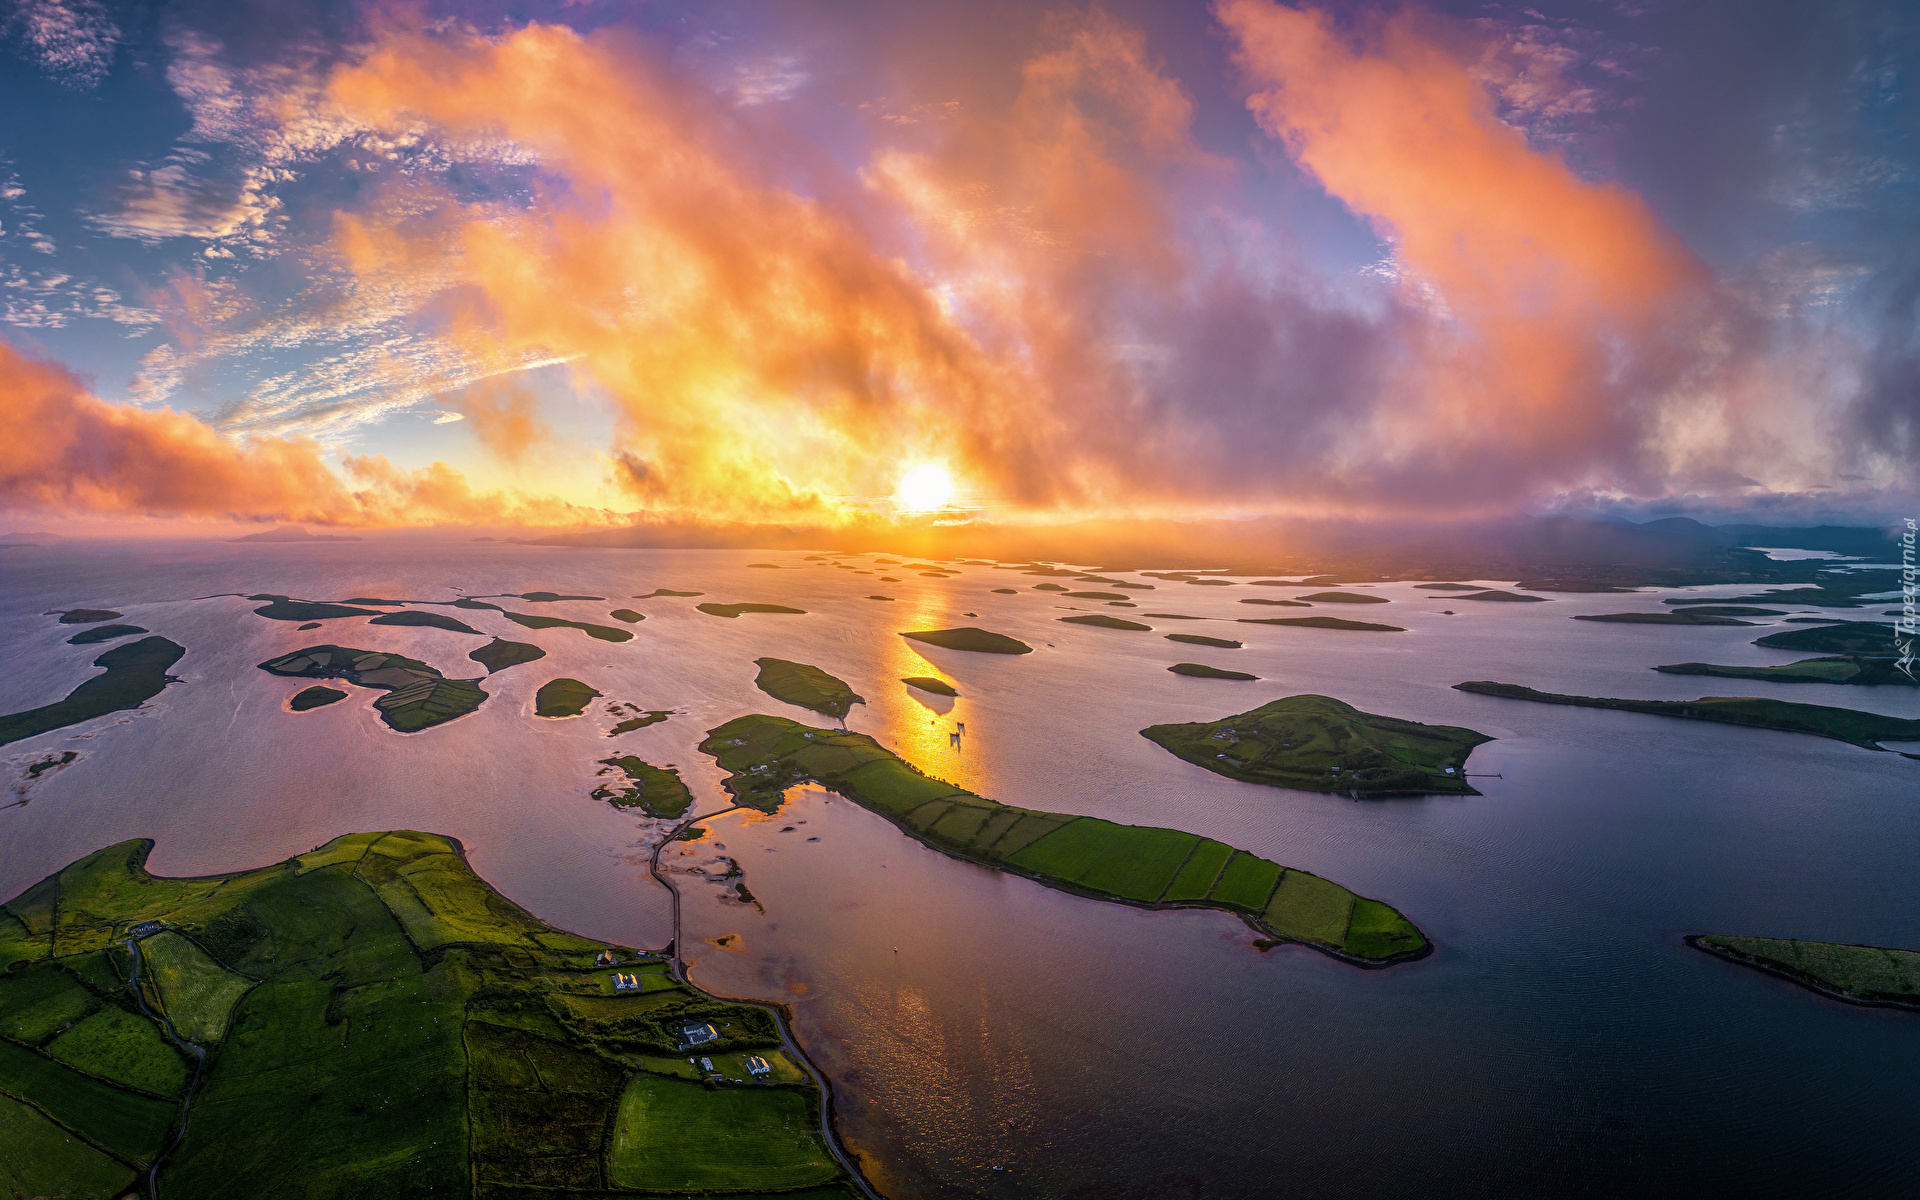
{"x": 1863, "y": 729}
{"x": 1870, "y": 975}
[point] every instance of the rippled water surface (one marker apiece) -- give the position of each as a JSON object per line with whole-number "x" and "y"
{"x": 1561, "y": 1040}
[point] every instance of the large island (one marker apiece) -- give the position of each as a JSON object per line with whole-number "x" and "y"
{"x": 371, "y": 1019}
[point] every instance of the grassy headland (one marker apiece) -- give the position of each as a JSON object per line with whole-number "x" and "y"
{"x": 1841, "y": 724}
{"x": 1853, "y": 669}
{"x": 487, "y": 1056}
{"x": 1319, "y": 744}
{"x": 136, "y": 673}
{"x": 806, "y": 686}
{"x": 1154, "y": 868}
{"x": 1872, "y": 975}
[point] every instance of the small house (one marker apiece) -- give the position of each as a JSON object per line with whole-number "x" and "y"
{"x": 706, "y": 1064}
{"x": 758, "y": 1067}
{"x": 626, "y": 983}
{"x": 699, "y": 1035}
{"x": 605, "y": 959}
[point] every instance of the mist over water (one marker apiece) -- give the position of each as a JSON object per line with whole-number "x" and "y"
{"x": 1561, "y": 1040}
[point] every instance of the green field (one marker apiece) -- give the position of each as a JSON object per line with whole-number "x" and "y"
{"x": 1202, "y": 671}
{"x": 381, "y": 1023}
{"x": 1859, "y": 974}
{"x": 1319, "y": 744}
{"x": 1851, "y": 669}
{"x": 136, "y": 673}
{"x": 562, "y": 697}
{"x": 674, "y": 1134}
{"x": 1842, "y": 724}
{"x": 764, "y": 756}
{"x": 979, "y": 641}
{"x": 805, "y": 686}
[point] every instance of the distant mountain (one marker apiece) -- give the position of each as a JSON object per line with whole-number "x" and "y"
{"x": 29, "y": 539}
{"x": 294, "y": 533}
{"x": 1839, "y": 539}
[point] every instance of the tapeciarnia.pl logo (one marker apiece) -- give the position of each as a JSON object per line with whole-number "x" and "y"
{"x": 1904, "y": 628}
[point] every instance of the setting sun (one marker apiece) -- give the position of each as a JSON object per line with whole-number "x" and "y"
{"x": 925, "y": 488}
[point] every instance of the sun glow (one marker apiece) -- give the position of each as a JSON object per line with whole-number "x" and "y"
{"x": 925, "y": 488}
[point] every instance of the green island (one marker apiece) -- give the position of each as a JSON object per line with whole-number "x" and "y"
{"x": 1846, "y": 668}
{"x": 414, "y": 618}
{"x": 1342, "y": 598}
{"x": 734, "y": 610}
{"x": 499, "y": 654}
{"x": 1007, "y": 591}
{"x": 1095, "y": 596}
{"x": 1201, "y": 639}
{"x": 371, "y": 1019}
{"x": 1202, "y": 671}
{"x": 1735, "y": 610}
{"x": 562, "y": 697}
{"x": 980, "y": 641}
{"x": 605, "y": 633}
{"x": 317, "y": 696}
{"x": 550, "y": 597}
{"x": 1448, "y": 587}
{"x": 1498, "y": 596}
{"x": 628, "y": 615}
{"x": 889, "y": 599}
{"x": 1105, "y": 622}
{"x": 1686, "y": 617}
{"x": 1319, "y": 744}
{"x": 374, "y": 600}
{"x": 1048, "y": 587}
{"x": 1323, "y": 623}
{"x": 1179, "y": 616}
{"x": 658, "y": 592}
{"x": 1132, "y": 864}
{"x": 285, "y": 608}
{"x": 136, "y": 673}
{"x": 87, "y": 616}
{"x": 417, "y": 696}
{"x": 928, "y": 683}
{"x": 640, "y": 718}
{"x": 658, "y": 791}
{"x": 1870, "y": 975}
{"x": 1863, "y": 729}
{"x": 103, "y": 633}
{"x": 806, "y": 686}
{"x": 1268, "y": 600}
{"x": 1872, "y": 638}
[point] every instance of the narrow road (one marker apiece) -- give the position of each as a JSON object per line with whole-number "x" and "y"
{"x": 200, "y": 1064}
{"x": 679, "y": 968}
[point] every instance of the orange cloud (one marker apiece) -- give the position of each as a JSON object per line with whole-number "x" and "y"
{"x": 62, "y": 449}
{"x": 1566, "y": 312}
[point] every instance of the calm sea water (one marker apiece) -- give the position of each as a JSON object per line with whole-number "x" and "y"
{"x": 1560, "y": 1041}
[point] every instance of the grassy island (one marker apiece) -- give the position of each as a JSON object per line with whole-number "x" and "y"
{"x": 927, "y": 683}
{"x": 1133, "y": 864}
{"x": 1871, "y": 975}
{"x": 1202, "y": 671}
{"x": 1199, "y": 639}
{"x": 103, "y": 633}
{"x": 638, "y": 718}
{"x": 414, "y": 618}
{"x": 658, "y": 592}
{"x": 550, "y": 597}
{"x": 1448, "y": 587}
{"x": 418, "y": 697}
{"x": 605, "y": 633}
{"x": 1319, "y": 744}
{"x": 734, "y": 610}
{"x": 1500, "y": 597}
{"x": 1276, "y": 603}
{"x": 1734, "y": 610}
{"x": 1660, "y": 618}
{"x": 658, "y": 791}
{"x": 1841, "y": 724}
{"x": 563, "y": 697}
{"x": 87, "y": 616}
{"x": 980, "y": 641}
{"x": 1095, "y": 596}
{"x": 1871, "y": 638}
{"x": 806, "y": 686}
{"x": 1853, "y": 669}
{"x": 1106, "y": 622}
{"x": 317, "y": 696}
{"x": 368, "y": 1019}
{"x": 1343, "y": 598}
{"x": 282, "y": 608}
{"x": 1323, "y": 623}
{"x": 628, "y": 615}
{"x": 499, "y": 654}
{"x": 136, "y": 673}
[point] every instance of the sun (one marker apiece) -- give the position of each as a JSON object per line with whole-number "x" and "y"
{"x": 925, "y": 488}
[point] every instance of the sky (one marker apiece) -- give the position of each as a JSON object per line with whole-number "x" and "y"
{"x": 580, "y": 263}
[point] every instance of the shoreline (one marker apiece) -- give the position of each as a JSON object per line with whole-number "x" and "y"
{"x": 1799, "y": 978}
